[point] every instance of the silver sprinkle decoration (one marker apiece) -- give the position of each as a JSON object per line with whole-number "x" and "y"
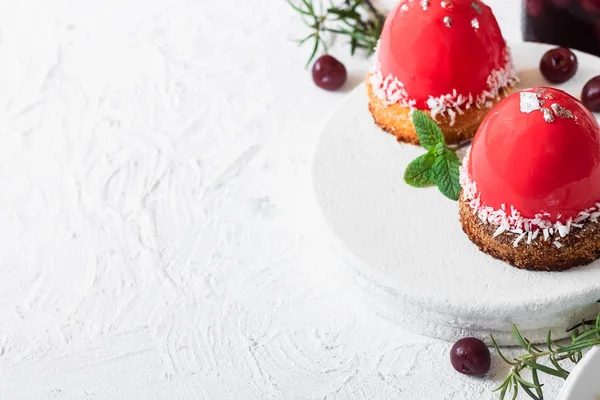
{"x": 476, "y": 7}
{"x": 404, "y": 8}
{"x": 529, "y": 102}
{"x": 448, "y": 21}
{"x": 475, "y": 23}
{"x": 543, "y": 94}
{"x": 425, "y": 4}
{"x": 446, "y": 4}
{"x": 561, "y": 112}
{"x": 548, "y": 117}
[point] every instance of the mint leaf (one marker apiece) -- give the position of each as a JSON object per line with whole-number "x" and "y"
{"x": 440, "y": 166}
{"x": 418, "y": 172}
{"x": 428, "y": 132}
{"x": 439, "y": 149}
{"x": 445, "y": 174}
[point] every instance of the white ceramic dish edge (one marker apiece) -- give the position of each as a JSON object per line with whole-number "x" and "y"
{"x": 584, "y": 381}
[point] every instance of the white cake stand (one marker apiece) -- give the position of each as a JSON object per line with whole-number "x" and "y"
{"x": 406, "y": 246}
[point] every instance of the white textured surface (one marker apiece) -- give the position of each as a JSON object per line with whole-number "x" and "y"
{"x": 157, "y": 242}
{"x": 423, "y": 270}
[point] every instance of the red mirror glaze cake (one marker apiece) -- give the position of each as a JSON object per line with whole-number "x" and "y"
{"x": 445, "y": 57}
{"x": 531, "y": 182}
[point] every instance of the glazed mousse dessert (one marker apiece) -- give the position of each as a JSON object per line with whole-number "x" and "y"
{"x": 445, "y": 57}
{"x": 531, "y": 182}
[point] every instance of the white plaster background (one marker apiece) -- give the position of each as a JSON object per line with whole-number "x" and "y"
{"x": 158, "y": 235}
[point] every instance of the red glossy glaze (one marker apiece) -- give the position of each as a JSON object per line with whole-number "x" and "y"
{"x": 519, "y": 159}
{"x": 433, "y": 59}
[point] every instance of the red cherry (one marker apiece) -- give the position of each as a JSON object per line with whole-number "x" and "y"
{"x": 558, "y": 65}
{"x": 470, "y": 356}
{"x": 328, "y": 73}
{"x": 590, "y": 95}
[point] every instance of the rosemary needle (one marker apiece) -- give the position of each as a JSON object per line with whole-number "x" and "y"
{"x": 358, "y": 20}
{"x": 583, "y": 337}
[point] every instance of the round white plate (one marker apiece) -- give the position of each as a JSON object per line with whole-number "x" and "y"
{"x": 407, "y": 246}
{"x": 583, "y": 383}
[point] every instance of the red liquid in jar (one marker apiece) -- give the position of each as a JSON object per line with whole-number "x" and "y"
{"x": 569, "y": 23}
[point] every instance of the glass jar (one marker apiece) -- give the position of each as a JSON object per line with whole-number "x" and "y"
{"x": 568, "y": 23}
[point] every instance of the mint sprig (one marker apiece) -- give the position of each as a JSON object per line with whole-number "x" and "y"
{"x": 440, "y": 165}
{"x": 429, "y": 133}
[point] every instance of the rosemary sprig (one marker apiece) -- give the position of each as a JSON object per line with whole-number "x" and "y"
{"x": 583, "y": 337}
{"x": 359, "y": 20}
